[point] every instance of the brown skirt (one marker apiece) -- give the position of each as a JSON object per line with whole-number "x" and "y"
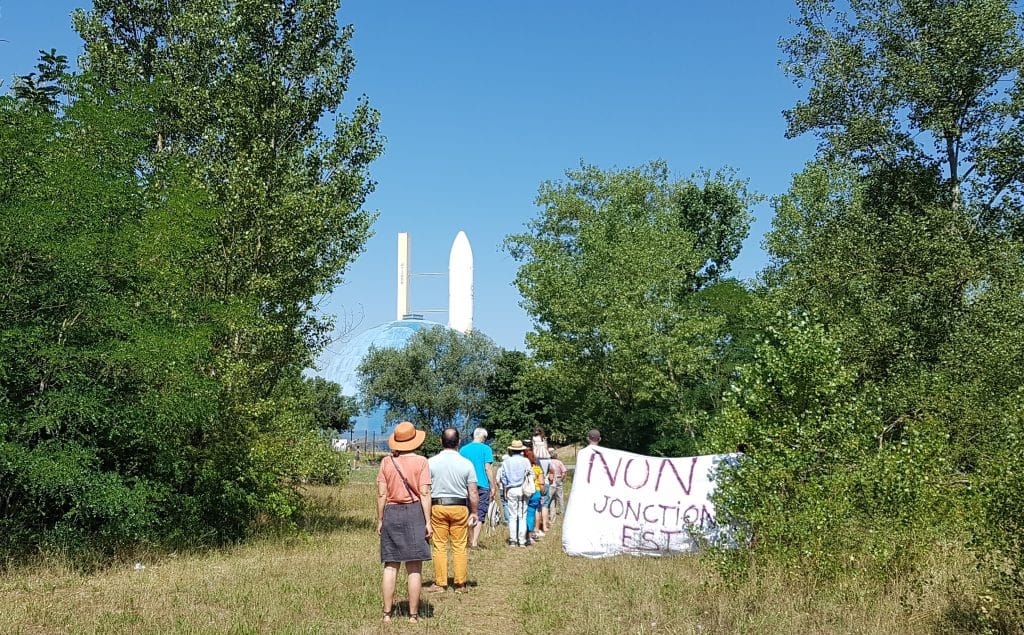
{"x": 403, "y": 534}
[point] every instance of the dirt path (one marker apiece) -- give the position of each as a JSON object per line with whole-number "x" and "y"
{"x": 497, "y": 573}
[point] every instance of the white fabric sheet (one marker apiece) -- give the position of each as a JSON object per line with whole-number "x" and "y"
{"x": 622, "y": 502}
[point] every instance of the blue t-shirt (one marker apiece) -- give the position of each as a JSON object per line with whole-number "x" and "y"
{"x": 479, "y": 454}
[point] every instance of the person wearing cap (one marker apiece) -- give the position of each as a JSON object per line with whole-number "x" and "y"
{"x": 403, "y": 515}
{"x": 514, "y": 472}
{"x": 482, "y": 458}
{"x": 453, "y": 510}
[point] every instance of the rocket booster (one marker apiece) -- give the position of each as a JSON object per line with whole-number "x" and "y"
{"x": 460, "y": 285}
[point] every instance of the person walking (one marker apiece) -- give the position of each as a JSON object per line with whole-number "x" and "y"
{"x": 556, "y": 479}
{"x": 403, "y": 516}
{"x": 514, "y": 472}
{"x": 482, "y": 457}
{"x": 453, "y": 510}
{"x": 535, "y": 502}
{"x": 541, "y": 450}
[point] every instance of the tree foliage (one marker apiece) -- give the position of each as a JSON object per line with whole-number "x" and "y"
{"x": 437, "y": 380}
{"x": 618, "y": 271}
{"x": 169, "y": 216}
{"x": 521, "y": 396}
{"x": 934, "y": 82}
{"x": 332, "y": 410}
{"x": 882, "y": 408}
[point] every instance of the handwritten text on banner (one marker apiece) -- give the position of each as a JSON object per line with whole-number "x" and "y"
{"x": 630, "y": 503}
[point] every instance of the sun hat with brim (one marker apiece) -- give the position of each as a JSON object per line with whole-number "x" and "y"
{"x": 406, "y": 437}
{"x": 517, "y": 446}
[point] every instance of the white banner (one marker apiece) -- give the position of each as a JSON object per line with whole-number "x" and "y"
{"x": 622, "y": 502}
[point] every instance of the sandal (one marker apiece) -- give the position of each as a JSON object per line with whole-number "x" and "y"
{"x": 414, "y": 618}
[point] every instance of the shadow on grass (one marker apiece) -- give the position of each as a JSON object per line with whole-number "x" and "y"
{"x": 401, "y": 609}
{"x": 320, "y": 521}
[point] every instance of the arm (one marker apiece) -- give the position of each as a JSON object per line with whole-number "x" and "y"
{"x": 382, "y": 497}
{"x": 425, "y": 503}
{"x": 489, "y": 469}
{"x": 474, "y": 504}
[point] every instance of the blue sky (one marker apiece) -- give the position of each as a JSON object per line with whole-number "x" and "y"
{"x": 482, "y": 101}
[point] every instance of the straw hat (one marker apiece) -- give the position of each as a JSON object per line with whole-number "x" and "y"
{"x": 517, "y": 446}
{"x": 406, "y": 437}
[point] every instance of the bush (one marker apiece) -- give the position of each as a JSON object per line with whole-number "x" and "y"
{"x": 827, "y": 481}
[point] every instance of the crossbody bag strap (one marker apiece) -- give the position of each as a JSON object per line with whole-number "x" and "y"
{"x": 414, "y": 493}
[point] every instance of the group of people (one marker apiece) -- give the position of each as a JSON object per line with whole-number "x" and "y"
{"x": 426, "y": 507}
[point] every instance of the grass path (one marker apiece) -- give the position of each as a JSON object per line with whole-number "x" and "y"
{"x": 327, "y": 580}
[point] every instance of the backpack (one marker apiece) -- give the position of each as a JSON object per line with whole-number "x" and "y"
{"x": 529, "y": 485}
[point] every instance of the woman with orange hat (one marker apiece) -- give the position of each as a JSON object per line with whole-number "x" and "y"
{"x": 403, "y": 515}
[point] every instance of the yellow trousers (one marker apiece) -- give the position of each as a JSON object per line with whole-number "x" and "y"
{"x": 449, "y": 523}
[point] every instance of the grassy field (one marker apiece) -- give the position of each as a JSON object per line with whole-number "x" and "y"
{"x": 328, "y": 580}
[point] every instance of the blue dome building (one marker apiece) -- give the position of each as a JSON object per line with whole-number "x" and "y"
{"x": 339, "y": 363}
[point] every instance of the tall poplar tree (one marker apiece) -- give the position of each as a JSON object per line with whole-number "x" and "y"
{"x": 249, "y": 95}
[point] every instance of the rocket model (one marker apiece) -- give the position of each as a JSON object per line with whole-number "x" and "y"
{"x": 460, "y": 285}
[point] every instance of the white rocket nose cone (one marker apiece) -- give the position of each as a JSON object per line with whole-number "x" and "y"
{"x": 460, "y": 284}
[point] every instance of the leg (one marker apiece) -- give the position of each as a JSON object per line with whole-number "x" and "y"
{"x": 459, "y": 530}
{"x": 414, "y": 571}
{"x": 510, "y": 519}
{"x": 439, "y": 545}
{"x": 388, "y": 590}
{"x": 484, "y": 499}
{"x": 475, "y": 539}
{"x": 517, "y": 517}
{"x": 531, "y": 515}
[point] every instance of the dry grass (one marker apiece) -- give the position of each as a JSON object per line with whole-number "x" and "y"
{"x": 328, "y": 580}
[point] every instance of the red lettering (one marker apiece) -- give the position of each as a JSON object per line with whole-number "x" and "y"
{"x": 707, "y": 517}
{"x": 647, "y": 474}
{"x": 668, "y": 462}
{"x": 611, "y": 478}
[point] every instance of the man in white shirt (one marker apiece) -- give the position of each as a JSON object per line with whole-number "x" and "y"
{"x": 453, "y": 510}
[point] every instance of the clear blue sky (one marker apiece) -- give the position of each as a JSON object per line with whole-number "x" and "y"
{"x": 482, "y": 101}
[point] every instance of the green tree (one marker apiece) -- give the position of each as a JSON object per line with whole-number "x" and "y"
{"x": 521, "y": 396}
{"x": 43, "y": 87}
{"x": 437, "y": 380}
{"x": 331, "y": 409}
{"x": 931, "y": 81}
{"x": 615, "y": 273}
{"x": 244, "y": 90}
{"x": 103, "y": 340}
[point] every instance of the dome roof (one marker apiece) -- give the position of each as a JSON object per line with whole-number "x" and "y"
{"x": 339, "y": 362}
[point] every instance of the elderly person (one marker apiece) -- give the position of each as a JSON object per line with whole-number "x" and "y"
{"x": 482, "y": 458}
{"x": 453, "y": 510}
{"x": 403, "y": 515}
{"x": 514, "y": 471}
